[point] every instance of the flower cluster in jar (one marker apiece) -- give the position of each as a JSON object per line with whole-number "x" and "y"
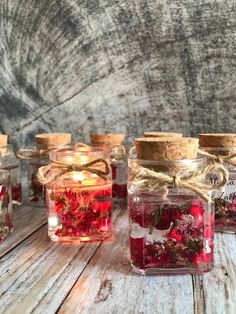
{"x": 37, "y": 192}
{"x": 83, "y": 213}
{"x": 225, "y": 212}
{"x": 225, "y": 204}
{"x": 6, "y": 226}
{"x": 170, "y": 235}
{"x": 118, "y": 190}
{"x": 17, "y": 192}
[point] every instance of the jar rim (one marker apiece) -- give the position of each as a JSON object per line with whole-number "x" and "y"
{"x": 76, "y": 152}
{"x": 6, "y": 146}
{"x": 133, "y": 157}
{"x": 218, "y": 149}
{"x": 199, "y": 160}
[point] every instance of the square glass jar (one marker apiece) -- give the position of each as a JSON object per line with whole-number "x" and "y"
{"x": 79, "y": 203}
{"x": 225, "y": 199}
{"x": 6, "y": 215}
{"x": 118, "y": 163}
{"x": 38, "y": 157}
{"x": 9, "y": 162}
{"x": 171, "y": 234}
{"x": 36, "y": 191}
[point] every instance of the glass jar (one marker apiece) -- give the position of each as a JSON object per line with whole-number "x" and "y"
{"x": 38, "y": 157}
{"x": 35, "y": 189}
{"x": 172, "y": 234}
{"x": 118, "y": 161}
{"x": 6, "y": 218}
{"x": 79, "y": 203}
{"x": 9, "y": 162}
{"x": 225, "y": 199}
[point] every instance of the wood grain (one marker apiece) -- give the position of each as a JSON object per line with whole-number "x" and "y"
{"x": 127, "y": 66}
{"x": 218, "y": 288}
{"x": 37, "y": 275}
{"x": 108, "y": 285}
{"x": 26, "y": 220}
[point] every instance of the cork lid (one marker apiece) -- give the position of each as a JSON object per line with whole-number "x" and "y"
{"x": 107, "y": 139}
{"x": 47, "y": 140}
{"x": 166, "y": 148}
{"x": 3, "y": 140}
{"x": 162, "y": 134}
{"x": 217, "y": 140}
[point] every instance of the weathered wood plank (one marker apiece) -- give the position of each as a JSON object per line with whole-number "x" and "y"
{"x": 37, "y": 275}
{"x": 26, "y": 220}
{"x": 108, "y": 285}
{"x": 40, "y": 273}
{"x": 215, "y": 292}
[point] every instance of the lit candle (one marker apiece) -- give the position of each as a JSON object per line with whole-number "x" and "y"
{"x": 79, "y": 204}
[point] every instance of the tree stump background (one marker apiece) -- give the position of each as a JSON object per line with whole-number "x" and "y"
{"x": 122, "y": 65}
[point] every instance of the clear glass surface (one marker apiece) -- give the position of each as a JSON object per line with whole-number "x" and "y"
{"x": 79, "y": 204}
{"x": 225, "y": 199}
{"x": 9, "y": 162}
{"x": 6, "y": 215}
{"x": 171, "y": 234}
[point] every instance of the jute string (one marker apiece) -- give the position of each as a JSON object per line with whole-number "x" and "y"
{"x": 158, "y": 181}
{"x": 56, "y": 169}
{"x": 28, "y": 153}
{"x": 229, "y": 159}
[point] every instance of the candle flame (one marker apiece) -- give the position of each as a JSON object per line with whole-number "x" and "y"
{"x": 53, "y": 221}
{"x": 84, "y": 158}
{"x": 77, "y": 159}
{"x": 78, "y": 176}
{"x": 69, "y": 159}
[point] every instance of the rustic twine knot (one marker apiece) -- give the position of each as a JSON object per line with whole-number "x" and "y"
{"x": 176, "y": 181}
{"x": 56, "y": 169}
{"x": 196, "y": 182}
{"x": 229, "y": 159}
{"x": 220, "y": 159}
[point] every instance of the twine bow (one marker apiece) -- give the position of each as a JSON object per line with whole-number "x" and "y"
{"x": 46, "y": 174}
{"x": 28, "y": 153}
{"x": 146, "y": 178}
{"x": 229, "y": 159}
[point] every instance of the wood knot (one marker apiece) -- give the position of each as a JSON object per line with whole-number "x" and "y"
{"x": 104, "y": 291}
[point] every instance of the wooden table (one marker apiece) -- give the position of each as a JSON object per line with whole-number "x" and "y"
{"x": 39, "y": 276}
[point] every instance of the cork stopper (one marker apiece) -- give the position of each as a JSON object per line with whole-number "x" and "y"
{"x": 107, "y": 139}
{"x": 3, "y": 140}
{"x": 166, "y": 148}
{"x": 48, "y": 140}
{"x": 4, "y": 151}
{"x": 217, "y": 140}
{"x": 162, "y": 134}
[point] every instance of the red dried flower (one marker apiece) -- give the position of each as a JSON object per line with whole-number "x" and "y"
{"x": 82, "y": 213}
